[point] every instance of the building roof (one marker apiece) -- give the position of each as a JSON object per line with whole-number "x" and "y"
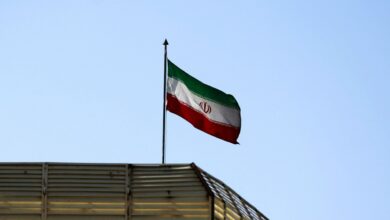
{"x": 61, "y": 191}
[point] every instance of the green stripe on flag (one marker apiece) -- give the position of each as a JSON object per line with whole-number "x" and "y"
{"x": 200, "y": 88}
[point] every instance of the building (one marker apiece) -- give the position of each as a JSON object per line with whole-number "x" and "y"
{"x": 69, "y": 191}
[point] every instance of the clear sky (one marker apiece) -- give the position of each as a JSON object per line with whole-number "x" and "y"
{"x": 81, "y": 81}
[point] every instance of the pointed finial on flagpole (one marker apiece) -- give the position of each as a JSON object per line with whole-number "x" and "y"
{"x": 165, "y": 42}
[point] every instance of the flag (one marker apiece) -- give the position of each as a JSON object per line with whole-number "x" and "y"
{"x": 205, "y": 107}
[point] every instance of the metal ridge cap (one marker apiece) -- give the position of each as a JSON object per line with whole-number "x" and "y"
{"x": 97, "y": 164}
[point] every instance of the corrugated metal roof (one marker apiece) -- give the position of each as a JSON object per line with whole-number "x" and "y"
{"x": 61, "y": 191}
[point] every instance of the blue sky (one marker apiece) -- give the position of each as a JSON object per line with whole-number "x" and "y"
{"x": 81, "y": 81}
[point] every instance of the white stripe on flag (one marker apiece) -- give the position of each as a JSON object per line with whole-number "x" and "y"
{"x": 218, "y": 113}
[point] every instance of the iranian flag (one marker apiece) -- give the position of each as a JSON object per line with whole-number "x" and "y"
{"x": 205, "y": 107}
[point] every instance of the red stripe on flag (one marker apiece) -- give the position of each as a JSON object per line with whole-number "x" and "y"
{"x": 198, "y": 120}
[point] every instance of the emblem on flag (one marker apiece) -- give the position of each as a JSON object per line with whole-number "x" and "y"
{"x": 205, "y": 107}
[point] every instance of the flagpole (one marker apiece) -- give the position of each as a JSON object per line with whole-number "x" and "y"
{"x": 165, "y": 99}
